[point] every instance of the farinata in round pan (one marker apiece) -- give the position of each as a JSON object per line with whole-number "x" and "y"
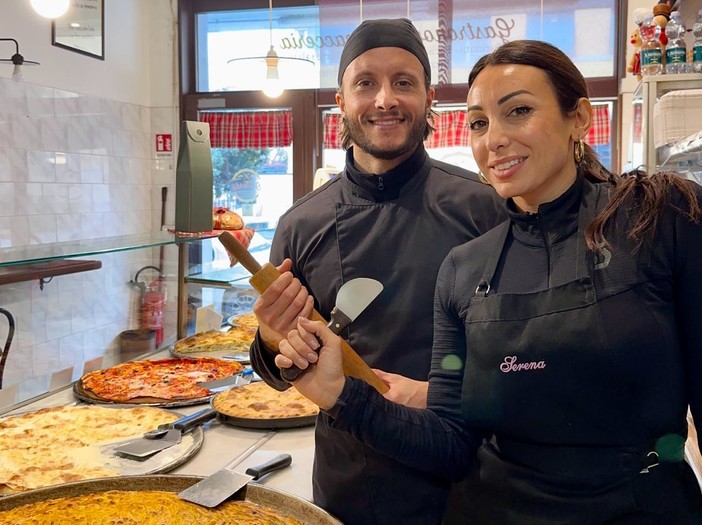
{"x": 262, "y": 504}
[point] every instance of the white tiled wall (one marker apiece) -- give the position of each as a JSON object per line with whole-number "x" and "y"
{"x": 76, "y": 167}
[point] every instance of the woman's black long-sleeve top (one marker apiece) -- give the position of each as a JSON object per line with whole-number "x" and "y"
{"x": 539, "y": 253}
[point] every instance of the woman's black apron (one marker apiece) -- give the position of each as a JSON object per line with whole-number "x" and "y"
{"x": 536, "y": 375}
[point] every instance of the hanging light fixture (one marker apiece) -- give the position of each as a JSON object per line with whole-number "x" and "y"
{"x": 16, "y": 59}
{"x": 50, "y": 8}
{"x": 272, "y": 87}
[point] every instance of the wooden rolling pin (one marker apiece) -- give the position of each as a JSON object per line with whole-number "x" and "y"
{"x": 263, "y": 277}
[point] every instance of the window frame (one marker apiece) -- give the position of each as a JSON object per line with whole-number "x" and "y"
{"x": 307, "y": 142}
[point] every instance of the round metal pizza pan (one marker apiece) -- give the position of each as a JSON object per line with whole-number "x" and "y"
{"x": 163, "y": 461}
{"x": 283, "y": 502}
{"x": 233, "y": 321}
{"x": 240, "y": 356}
{"x": 79, "y": 392}
{"x": 260, "y": 423}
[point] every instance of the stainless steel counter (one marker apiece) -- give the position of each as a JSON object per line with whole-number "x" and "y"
{"x": 225, "y": 444}
{"x": 242, "y": 448}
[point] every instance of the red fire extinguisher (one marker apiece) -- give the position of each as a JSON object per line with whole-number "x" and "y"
{"x": 152, "y": 308}
{"x": 154, "y": 294}
{"x": 153, "y": 298}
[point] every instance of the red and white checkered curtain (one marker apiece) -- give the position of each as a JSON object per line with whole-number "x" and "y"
{"x": 249, "y": 129}
{"x": 452, "y": 129}
{"x": 332, "y": 130}
{"x": 600, "y": 129}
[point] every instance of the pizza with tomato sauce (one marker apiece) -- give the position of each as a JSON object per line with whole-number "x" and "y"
{"x": 161, "y": 379}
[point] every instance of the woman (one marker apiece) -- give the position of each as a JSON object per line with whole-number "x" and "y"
{"x": 566, "y": 341}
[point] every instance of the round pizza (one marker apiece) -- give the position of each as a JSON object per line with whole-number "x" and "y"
{"x": 143, "y": 507}
{"x": 236, "y": 339}
{"x": 62, "y": 444}
{"x": 247, "y": 321}
{"x": 162, "y": 379}
{"x": 260, "y": 401}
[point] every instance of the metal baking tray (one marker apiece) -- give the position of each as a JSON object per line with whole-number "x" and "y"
{"x": 263, "y": 424}
{"x": 84, "y": 395}
{"x": 163, "y": 461}
{"x": 283, "y": 502}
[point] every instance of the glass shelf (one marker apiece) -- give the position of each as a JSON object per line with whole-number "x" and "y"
{"x": 224, "y": 278}
{"x": 90, "y": 247}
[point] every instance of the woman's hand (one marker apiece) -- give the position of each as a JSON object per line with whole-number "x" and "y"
{"x": 323, "y": 383}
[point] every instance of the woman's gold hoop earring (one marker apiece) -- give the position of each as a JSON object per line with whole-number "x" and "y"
{"x": 579, "y": 153}
{"x": 482, "y": 178}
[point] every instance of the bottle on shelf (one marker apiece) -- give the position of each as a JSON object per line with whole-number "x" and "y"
{"x": 697, "y": 46}
{"x": 675, "y": 50}
{"x": 651, "y": 49}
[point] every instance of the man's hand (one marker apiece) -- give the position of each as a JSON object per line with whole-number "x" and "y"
{"x": 404, "y": 390}
{"x": 278, "y": 308}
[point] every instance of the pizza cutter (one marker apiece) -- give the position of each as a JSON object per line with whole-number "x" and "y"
{"x": 164, "y": 436}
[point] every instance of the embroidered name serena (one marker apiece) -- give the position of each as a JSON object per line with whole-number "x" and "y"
{"x": 510, "y": 365}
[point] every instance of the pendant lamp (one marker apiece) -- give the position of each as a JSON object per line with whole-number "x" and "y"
{"x": 272, "y": 87}
{"x": 17, "y": 60}
{"x": 50, "y": 8}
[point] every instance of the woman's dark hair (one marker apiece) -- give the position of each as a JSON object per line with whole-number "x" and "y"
{"x": 651, "y": 193}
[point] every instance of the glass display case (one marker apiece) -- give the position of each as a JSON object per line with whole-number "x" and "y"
{"x": 72, "y": 307}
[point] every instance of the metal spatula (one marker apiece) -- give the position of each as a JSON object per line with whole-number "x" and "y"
{"x": 165, "y": 436}
{"x": 214, "y": 489}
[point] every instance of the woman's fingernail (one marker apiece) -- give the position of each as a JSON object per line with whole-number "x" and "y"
{"x": 312, "y": 357}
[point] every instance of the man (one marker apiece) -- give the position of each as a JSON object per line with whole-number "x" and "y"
{"x": 391, "y": 215}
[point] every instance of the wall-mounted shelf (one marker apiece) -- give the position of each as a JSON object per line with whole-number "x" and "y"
{"x": 45, "y": 270}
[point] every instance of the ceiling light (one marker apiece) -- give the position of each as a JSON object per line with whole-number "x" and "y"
{"x": 272, "y": 86}
{"x": 50, "y": 8}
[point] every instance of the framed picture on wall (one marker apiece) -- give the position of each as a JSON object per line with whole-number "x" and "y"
{"x": 81, "y": 29}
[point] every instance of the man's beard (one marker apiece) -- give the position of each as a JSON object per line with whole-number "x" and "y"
{"x": 361, "y": 140}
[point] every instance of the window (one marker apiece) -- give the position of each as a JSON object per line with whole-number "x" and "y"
{"x": 585, "y": 30}
{"x": 456, "y": 35}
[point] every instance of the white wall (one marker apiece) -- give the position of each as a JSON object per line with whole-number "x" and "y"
{"x": 78, "y": 162}
{"x": 125, "y": 74}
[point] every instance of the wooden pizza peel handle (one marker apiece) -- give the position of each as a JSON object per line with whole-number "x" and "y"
{"x": 263, "y": 277}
